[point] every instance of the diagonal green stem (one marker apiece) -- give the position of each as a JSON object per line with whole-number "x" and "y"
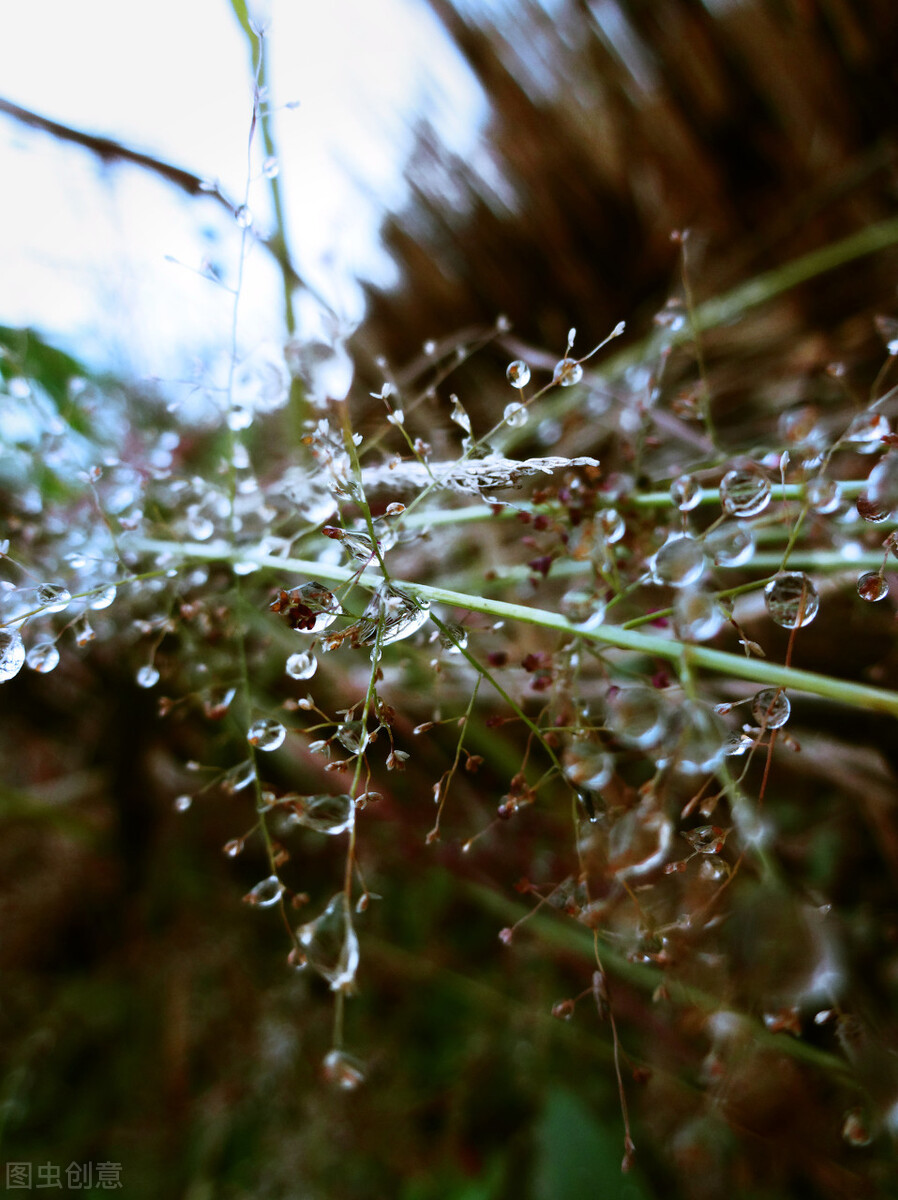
{"x": 681, "y": 654}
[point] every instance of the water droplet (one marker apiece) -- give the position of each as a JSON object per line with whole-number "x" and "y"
{"x": 872, "y": 586}
{"x": 353, "y": 735}
{"x": 243, "y": 216}
{"x": 856, "y": 1128}
{"x": 638, "y": 716}
{"x": 459, "y": 415}
{"x": 358, "y": 545}
{"x": 679, "y": 562}
{"x": 266, "y": 893}
{"x": 271, "y": 167}
{"x": 83, "y": 631}
{"x": 233, "y": 847}
{"x": 330, "y": 944}
{"x": 518, "y": 373}
{"x": 870, "y": 512}
{"x": 866, "y": 432}
{"x": 239, "y": 417}
{"x": 706, "y": 839}
{"x": 697, "y": 615}
{"x": 43, "y": 657}
{"x": 239, "y": 777}
{"x": 701, "y": 741}
{"x": 515, "y": 415}
{"x": 823, "y": 495}
{"x": 307, "y": 609}
{"x": 685, "y": 492}
{"x": 882, "y": 484}
{"x": 324, "y": 367}
{"x": 301, "y": 665}
{"x": 771, "y": 708}
{"x": 217, "y": 702}
{"x": 611, "y": 525}
{"x": 147, "y": 676}
{"x": 737, "y": 744}
{"x": 588, "y": 765}
{"x": 567, "y": 372}
{"x": 395, "y": 612}
{"x": 800, "y": 427}
{"x": 583, "y": 608}
{"x": 12, "y": 653}
{"x": 266, "y": 734}
{"x": 102, "y": 598}
{"x": 730, "y": 545}
{"x": 342, "y": 1070}
{"x": 326, "y": 814}
{"x": 182, "y": 803}
{"x": 791, "y": 599}
{"x": 53, "y": 597}
{"x": 199, "y": 526}
{"x": 745, "y": 492}
{"x": 563, "y": 1010}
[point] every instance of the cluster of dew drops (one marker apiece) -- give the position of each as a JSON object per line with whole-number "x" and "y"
{"x": 689, "y": 734}
{"x": 36, "y": 614}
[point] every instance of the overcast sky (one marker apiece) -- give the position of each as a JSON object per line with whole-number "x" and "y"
{"x": 84, "y": 252}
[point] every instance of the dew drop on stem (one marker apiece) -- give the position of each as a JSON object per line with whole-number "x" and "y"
{"x": 700, "y": 740}
{"x": 823, "y": 495}
{"x": 697, "y": 615}
{"x": 582, "y": 608}
{"x": 301, "y": 665}
{"x": 730, "y": 545}
{"x": 882, "y": 484}
{"x": 240, "y": 776}
{"x": 567, "y": 372}
{"x": 679, "y": 563}
{"x": 588, "y": 765}
{"x": 611, "y": 525}
{"x": 12, "y": 654}
{"x": 744, "y": 492}
{"x": 147, "y": 676}
{"x": 330, "y": 944}
{"x": 266, "y": 893}
{"x": 638, "y": 716}
{"x": 43, "y": 657}
{"x": 353, "y": 736}
{"x": 102, "y": 598}
{"x": 518, "y": 373}
{"x": 866, "y": 431}
{"x": 856, "y": 1128}
{"x": 326, "y": 814}
{"x": 872, "y": 586}
{"x": 515, "y": 415}
{"x": 685, "y": 493}
{"x": 53, "y": 597}
{"x": 308, "y": 608}
{"x": 792, "y": 600}
{"x": 343, "y": 1071}
{"x": 771, "y": 708}
{"x": 266, "y": 734}
{"x": 83, "y": 631}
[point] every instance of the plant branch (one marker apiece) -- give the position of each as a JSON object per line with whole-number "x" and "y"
{"x": 857, "y": 695}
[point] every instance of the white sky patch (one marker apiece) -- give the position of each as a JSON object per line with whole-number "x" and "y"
{"x": 83, "y": 250}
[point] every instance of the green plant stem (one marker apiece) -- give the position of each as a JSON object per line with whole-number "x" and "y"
{"x": 570, "y": 936}
{"x": 857, "y": 695}
{"x": 734, "y": 304}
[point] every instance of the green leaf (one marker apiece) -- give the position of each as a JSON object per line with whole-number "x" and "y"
{"x": 24, "y": 354}
{"x": 577, "y": 1158}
